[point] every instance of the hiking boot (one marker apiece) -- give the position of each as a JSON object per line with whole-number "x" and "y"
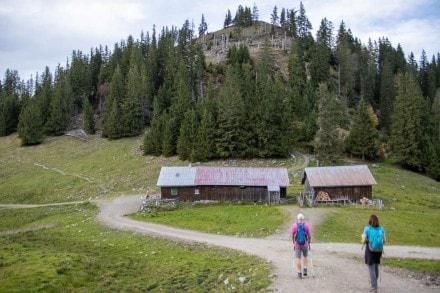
{"x": 299, "y": 275}
{"x": 305, "y": 272}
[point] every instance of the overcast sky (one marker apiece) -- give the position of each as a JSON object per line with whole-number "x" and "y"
{"x": 39, "y": 33}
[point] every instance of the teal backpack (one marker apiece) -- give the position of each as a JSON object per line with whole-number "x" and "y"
{"x": 375, "y": 239}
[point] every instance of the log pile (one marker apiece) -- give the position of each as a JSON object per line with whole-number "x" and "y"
{"x": 364, "y": 201}
{"x": 322, "y": 195}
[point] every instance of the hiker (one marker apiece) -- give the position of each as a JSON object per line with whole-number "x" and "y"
{"x": 301, "y": 237}
{"x": 147, "y": 195}
{"x": 373, "y": 238}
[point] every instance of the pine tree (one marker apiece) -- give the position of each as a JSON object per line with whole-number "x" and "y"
{"x": 89, "y": 119}
{"x": 153, "y": 139}
{"x": 387, "y": 93}
{"x": 203, "y": 27}
{"x": 44, "y": 93}
{"x": 132, "y": 104}
{"x": 59, "y": 109}
{"x": 187, "y": 136}
{"x": 255, "y": 13}
{"x": 230, "y": 120}
{"x": 228, "y": 19}
{"x": 363, "y": 140}
{"x": 112, "y": 126}
{"x": 204, "y": 148}
{"x": 9, "y": 103}
{"x": 30, "y": 127}
{"x": 406, "y": 132}
{"x": 328, "y": 144}
{"x": 274, "y": 18}
{"x": 322, "y": 53}
{"x": 303, "y": 24}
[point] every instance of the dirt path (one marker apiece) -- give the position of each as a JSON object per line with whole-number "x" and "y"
{"x": 337, "y": 267}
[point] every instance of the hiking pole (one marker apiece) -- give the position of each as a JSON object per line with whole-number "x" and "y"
{"x": 312, "y": 270}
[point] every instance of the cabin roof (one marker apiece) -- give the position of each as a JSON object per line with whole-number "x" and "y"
{"x": 358, "y": 175}
{"x": 226, "y": 176}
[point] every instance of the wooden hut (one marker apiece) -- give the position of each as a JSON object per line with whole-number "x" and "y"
{"x": 223, "y": 183}
{"x": 338, "y": 183}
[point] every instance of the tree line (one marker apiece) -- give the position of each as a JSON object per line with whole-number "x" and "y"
{"x": 339, "y": 96}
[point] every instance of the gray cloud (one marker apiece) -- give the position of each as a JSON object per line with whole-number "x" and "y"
{"x": 39, "y": 33}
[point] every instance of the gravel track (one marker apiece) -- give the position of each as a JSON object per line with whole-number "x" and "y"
{"x": 337, "y": 267}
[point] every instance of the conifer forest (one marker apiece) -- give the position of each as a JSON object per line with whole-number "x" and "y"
{"x": 254, "y": 89}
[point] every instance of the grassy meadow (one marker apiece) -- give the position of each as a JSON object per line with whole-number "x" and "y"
{"x": 64, "y": 248}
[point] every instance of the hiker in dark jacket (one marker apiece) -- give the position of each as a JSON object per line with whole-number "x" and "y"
{"x": 372, "y": 256}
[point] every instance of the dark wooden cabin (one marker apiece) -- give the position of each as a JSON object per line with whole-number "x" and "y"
{"x": 338, "y": 182}
{"x": 223, "y": 183}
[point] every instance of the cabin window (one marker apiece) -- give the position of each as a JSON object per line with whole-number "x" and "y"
{"x": 174, "y": 191}
{"x": 196, "y": 191}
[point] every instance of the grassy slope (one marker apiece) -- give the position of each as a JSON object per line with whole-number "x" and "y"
{"x": 77, "y": 170}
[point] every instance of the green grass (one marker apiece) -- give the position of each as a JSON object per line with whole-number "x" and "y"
{"x": 64, "y": 248}
{"x": 240, "y": 220}
{"x": 402, "y": 227}
{"x": 75, "y": 254}
{"x": 420, "y": 265}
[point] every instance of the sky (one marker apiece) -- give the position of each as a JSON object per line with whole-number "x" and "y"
{"x": 39, "y": 33}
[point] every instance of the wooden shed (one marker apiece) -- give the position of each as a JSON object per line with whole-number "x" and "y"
{"x": 223, "y": 183}
{"x": 338, "y": 183}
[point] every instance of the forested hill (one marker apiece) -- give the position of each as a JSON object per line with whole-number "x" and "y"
{"x": 253, "y": 89}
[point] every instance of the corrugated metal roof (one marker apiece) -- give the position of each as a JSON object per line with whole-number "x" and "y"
{"x": 177, "y": 176}
{"x": 234, "y": 176}
{"x": 358, "y": 175}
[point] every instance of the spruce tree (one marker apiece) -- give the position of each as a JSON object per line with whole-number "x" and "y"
{"x": 112, "y": 126}
{"x": 187, "y": 135}
{"x": 89, "y": 119}
{"x": 363, "y": 140}
{"x": 406, "y": 132}
{"x": 132, "y": 105}
{"x": 9, "y": 103}
{"x": 30, "y": 127}
{"x": 230, "y": 117}
{"x": 328, "y": 144}
{"x": 59, "y": 114}
{"x": 203, "y": 149}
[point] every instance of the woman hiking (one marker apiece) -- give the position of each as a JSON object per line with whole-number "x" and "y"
{"x": 374, "y": 238}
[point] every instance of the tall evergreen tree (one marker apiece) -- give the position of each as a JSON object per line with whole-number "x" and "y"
{"x": 303, "y": 23}
{"x": 59, "y": 108}
{"x": 322, "y": 53}
{"x": 187, "y": 135}
{"x": 406, "y": 132}
{"x": 112, "y": 126}
{"x": 230, "y": 117}
{"x": 132, "y": 105}
{"x": 255, "y": 13}
{"x": 89, "y": 119}
{"x": 30, "y": 127}
{"x": 274, "y": 18}
{"x": 387, "y": 93}
{"x": 203, "y": 27}
{"x": 363, "y": 140}
{"x": 328, "y": 144}
{"x": 43, "y": 93}
{"x": 9, "y": 102}
{"x": 204, "y": 148}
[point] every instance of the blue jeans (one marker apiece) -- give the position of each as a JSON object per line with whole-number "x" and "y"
{"x": 374, "y": 274}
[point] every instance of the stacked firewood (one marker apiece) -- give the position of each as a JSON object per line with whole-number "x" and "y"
{"x": 322, "y": 195}
{"x": 364, "y": 201}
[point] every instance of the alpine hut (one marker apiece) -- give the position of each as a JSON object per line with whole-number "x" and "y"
{"x": 338, "y": 183}
{"x": 223, "y": 183}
